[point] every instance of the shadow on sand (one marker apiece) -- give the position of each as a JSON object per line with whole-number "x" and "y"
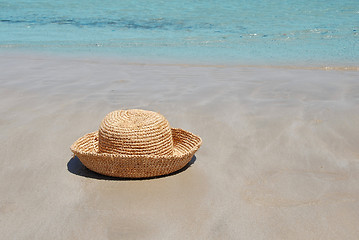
{"x": 76, "y": 167}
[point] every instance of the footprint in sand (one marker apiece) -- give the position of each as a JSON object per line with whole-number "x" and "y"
{"x": 287, "y": 188}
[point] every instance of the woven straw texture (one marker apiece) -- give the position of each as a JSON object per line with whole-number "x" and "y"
{"x": 136, "y": 144}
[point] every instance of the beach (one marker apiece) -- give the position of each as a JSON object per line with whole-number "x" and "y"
{"x": 279, "y": 158}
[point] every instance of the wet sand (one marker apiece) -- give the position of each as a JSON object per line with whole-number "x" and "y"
{"x": 279, "y": 159}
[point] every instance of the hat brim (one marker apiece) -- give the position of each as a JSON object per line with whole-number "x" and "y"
{"x": 185, "y": 144}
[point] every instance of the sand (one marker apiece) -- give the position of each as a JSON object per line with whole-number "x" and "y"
{"x": 279, "y": 160}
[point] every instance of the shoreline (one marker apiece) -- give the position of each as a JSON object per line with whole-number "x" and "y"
{"x": 171, "y": 62}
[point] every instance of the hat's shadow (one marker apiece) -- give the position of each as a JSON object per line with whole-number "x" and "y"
{"x": 76, "y": 167}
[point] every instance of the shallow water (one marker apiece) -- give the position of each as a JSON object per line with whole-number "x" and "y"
{"x": 242, "y": 32}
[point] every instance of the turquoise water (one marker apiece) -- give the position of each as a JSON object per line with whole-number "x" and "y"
{"x": 229, "y": 31}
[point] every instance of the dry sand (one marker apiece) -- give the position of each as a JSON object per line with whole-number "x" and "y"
{"x": 279, "y": 160}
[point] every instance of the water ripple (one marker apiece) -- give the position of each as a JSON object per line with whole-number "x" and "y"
{"x": 147, "y": 24}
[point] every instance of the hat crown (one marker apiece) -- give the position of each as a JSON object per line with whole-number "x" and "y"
{"x": 135, "y": 132}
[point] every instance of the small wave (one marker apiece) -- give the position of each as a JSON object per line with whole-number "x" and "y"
{"x": 143, "y": 24}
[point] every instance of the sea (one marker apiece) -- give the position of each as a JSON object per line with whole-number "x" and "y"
{"x": 256, "y": 32}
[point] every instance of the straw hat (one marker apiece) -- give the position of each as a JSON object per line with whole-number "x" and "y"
{"x": 136, "y": 144}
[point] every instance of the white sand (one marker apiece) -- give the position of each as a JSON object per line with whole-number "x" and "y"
{"x": 279, "y": 160}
